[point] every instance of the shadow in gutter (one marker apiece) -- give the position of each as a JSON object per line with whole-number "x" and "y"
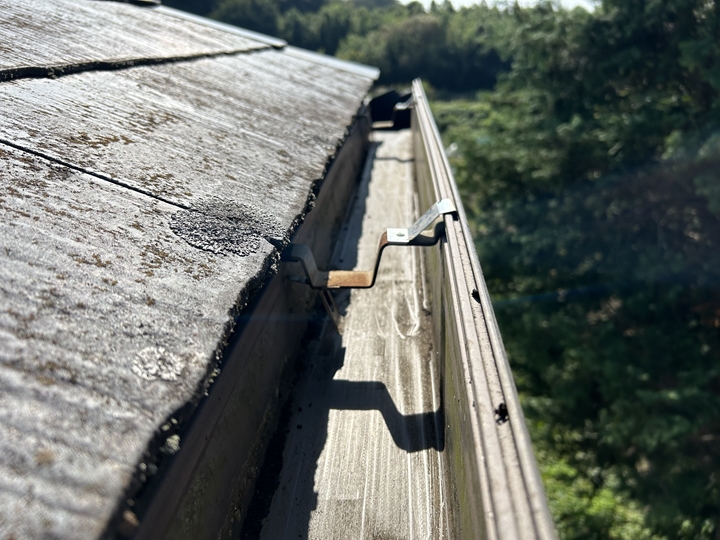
{"x": 411, "y": 160}
{"x": 412, "y": 433}
{"x": 305, "y": 416}
{"x": 345, "y": 255}
{"x": 286, "y": 500}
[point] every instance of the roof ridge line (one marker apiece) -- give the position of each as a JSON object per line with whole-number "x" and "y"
{"x": 61, "y": 70}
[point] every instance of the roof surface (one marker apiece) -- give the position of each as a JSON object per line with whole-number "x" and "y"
{"x": 144, "y": 194}
{"x": 56, "y": 34}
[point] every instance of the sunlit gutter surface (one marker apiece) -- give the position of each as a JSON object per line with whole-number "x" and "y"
{"x": 498, "y": 486}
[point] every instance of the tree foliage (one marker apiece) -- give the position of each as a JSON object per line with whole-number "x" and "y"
{"x": 443, "y": 46}
{"x": 592, "y": 175}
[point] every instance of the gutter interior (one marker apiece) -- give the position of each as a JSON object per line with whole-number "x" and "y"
{"x": 359, "y": 450}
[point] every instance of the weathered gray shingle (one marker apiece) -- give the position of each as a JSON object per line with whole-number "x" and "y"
{"x": 138, "y": 208}
{"x": 253, "y": 127}
{"x": 60, "y": 33}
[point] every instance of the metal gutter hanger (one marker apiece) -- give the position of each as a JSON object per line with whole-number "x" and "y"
{"x": 414, "y": 235}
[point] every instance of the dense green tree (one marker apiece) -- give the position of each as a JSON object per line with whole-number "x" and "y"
{"x": 258, "y": 15}
{"x": 199, "y": 7}
{"x": 321, "y": 31}
{"x": 446, "y": 48}
{"x": 592, "y": 177}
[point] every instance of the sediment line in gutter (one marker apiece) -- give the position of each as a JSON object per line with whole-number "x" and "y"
{"x": 61, "y": 70}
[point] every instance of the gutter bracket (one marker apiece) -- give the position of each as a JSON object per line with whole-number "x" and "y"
{"x": 405, "y": 105}
{"x": 414, "y": 235}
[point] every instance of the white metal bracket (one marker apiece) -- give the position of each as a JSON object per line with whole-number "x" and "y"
{"x": 415, "y": 235}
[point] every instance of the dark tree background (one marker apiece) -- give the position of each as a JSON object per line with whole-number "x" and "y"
{"x": 592, "y": 174}
{"x": 444, "y": 47}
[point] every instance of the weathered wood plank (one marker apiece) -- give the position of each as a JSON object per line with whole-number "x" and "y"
{"x": 224, "y": 27}
{"x": 108, "y": 322}
{"x": 55, "y": 34}
{"x": 224, "y": 446}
